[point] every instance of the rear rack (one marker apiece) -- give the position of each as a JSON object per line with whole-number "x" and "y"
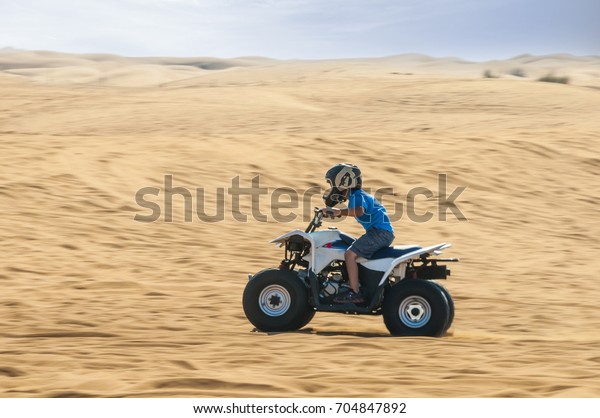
{"x": 442, "y": 260}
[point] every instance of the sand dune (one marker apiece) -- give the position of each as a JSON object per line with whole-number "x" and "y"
{"x": 46, "y": 67}
{"x": 96, "y": 304}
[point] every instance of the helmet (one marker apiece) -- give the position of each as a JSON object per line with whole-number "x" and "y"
{"x": 341, "y": 177}
{"x": 344, "y": 176}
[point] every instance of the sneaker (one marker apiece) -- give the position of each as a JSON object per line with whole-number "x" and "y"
{"x": 349, "y": 297}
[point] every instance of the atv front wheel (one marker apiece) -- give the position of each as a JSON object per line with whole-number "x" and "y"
{"x": 415, "y": 308}
{"x": 276, "y": 300}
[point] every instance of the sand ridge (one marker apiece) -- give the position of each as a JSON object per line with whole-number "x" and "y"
{"x": 96, "y": 304}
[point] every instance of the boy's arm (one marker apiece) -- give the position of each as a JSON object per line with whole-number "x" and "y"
{"x": 336, "y": 213}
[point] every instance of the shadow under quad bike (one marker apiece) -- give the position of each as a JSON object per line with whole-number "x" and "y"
{"x": 397, "y": 282}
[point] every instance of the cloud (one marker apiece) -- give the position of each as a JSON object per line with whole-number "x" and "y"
{"x": 298, "y": 28}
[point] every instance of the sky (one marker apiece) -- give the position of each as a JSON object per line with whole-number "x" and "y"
{"x": 304, "y": 29}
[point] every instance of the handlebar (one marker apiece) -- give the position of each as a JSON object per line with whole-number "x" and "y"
{"x": 316, "y": 221}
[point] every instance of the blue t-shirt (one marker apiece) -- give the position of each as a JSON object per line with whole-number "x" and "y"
{"x": 374, "y": 216}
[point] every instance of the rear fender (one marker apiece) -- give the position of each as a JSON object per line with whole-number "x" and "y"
{"x": 432, "y": 250}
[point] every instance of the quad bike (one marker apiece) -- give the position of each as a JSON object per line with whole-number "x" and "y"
{"x": 397, "y": 282}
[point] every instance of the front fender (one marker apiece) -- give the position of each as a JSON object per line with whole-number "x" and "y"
{"x": 282, "y": 239}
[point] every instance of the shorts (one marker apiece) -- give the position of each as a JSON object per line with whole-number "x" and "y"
{"x": 374, "y": 239}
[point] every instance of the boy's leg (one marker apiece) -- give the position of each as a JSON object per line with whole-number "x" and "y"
{"x": 353, "y": 295}
{"x": 365, "y": 246}
{"x": 352, "y": 268}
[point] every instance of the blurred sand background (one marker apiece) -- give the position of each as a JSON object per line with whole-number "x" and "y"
{"x": 93, "y": 303}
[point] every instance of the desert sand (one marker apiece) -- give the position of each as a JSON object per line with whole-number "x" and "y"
{"x": 94, "y": 303}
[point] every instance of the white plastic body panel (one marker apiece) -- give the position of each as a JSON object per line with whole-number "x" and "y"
{"x": 320, "y": 256}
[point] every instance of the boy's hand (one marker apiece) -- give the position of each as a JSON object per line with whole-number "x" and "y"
{"x": 331, "y": 212}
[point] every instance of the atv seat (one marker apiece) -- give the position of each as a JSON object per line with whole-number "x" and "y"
{"x": 387, "y": 252}
{"x": 394, "y": 252}
{"x": 348, "y": 239}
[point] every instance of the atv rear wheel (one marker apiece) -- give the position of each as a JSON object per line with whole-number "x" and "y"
{"x": 276, "y": 300}
{"x": 450, "y": 305}
{"x": 415, "y": 307}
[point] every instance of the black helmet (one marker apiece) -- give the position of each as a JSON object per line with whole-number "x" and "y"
{"x": 341, "y": 177}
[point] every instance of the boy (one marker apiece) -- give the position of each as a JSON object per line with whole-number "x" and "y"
{"x": 346, "y": 184}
